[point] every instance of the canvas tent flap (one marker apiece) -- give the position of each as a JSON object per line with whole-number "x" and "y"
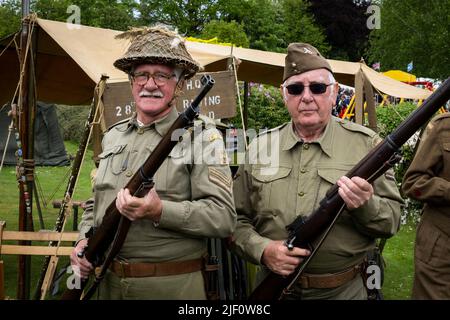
{"x": 49, "y": 149}
{"x": 392, "y": 87}
{"x": 71, "y": 59}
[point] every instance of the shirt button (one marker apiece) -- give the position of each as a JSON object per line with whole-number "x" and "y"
{"x": 301, "y": 194}
{"x": 305, "y": 146}
{"x": 129, "y": 173}
{"x": 303, "y": 170}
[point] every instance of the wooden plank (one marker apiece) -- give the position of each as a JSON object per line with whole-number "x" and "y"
{"x": 36, "y": 250}
{"x": 49, "y": 274}
{"x": 39, "y": 236}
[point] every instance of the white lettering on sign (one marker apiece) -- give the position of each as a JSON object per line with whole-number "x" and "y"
{"x": 193, "y": 84}
{"x": 127, "y": 110}
{"x": 208, "y": 101}
{"x": 214, "y": 100}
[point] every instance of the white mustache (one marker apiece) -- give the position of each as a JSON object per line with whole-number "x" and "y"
{"x": 145, "y": 93}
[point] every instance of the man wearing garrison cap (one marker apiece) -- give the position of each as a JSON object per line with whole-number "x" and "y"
{"x": 315, "y": 150}
{"x": 163, "y": 254}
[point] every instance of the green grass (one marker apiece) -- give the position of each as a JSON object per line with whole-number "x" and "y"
{"x": 53, "y": 182}
{"x": 398, "y": 252}
{"x": 399, "y": 257}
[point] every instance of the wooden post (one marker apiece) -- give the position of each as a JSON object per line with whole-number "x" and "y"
{"x": 370, "y": 108}
{"x": 27, "y": 107}
{"x": 359, "y": 97}
{"x": 245, "y": 104}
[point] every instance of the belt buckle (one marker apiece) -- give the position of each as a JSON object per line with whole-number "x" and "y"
{"x": 122, "y": 270}
{"x": 304, "y": 282}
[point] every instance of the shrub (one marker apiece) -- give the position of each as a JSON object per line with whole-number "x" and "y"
{"x": 389, "y": 117}
{"x": 266, "y": 109}
{"x": 72, "y": 120}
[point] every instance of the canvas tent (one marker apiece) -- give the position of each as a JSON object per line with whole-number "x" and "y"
{"x": 49, "y": 147}
{"x": 71, "y": 60}
{"x": 400, "y": 75}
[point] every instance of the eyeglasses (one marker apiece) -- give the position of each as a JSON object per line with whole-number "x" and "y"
{"x": 297, "y": 89}
{"x": 141, "y": 78}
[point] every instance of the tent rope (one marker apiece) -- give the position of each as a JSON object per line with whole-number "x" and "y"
{"x": 239, "y": 100}
{"x": 10, "y": 129}
{"x": 9, "y": 44}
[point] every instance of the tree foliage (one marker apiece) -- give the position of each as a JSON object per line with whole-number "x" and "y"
{"x": 344, "y": 22}
{"x": 189, "y": 16}
{"x": 111, "y": 14}
{"x": 228, "y": 32}
{"x": 9, "y": 17}
{"x": 300, "y": 25}
{"x": 272, "y": 25}
{"x": 413, "y": 30}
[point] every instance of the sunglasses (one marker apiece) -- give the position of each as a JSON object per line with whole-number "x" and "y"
{"x": 297, "y": 89}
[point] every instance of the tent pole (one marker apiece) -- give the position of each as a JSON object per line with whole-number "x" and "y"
{"x": 245, "y": 104}
{"x": 27, "y": 106}
{"x": 359, "y": 98}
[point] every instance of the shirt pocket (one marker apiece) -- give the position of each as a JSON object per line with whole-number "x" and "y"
{"x": 113, "y": 162}
{"x": 270, "y": 186}
{"x": 167, "y": 179}
{"x": 329, "y": 175}
{"x": 432, "y": 246}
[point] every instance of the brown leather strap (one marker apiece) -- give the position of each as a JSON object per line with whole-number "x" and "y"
{"x": 144, "y": 269}
{"x": 329, "y": 280}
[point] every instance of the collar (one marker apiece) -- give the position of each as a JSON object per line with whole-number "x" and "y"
{"x": 161, "y": 125}
{"x": 325, "y": 141}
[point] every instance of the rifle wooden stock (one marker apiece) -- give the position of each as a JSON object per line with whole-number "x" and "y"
{"x": 303, "y": 231}
{"x": 114, "y": 227}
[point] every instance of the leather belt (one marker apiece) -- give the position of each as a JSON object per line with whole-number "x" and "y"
{"x": 144, "y": 269}
{"x": 329, "y": 280}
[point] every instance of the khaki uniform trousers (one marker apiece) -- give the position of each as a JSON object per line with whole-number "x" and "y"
{"x": 188, "y": 286}
{"x": 431, "y": 262}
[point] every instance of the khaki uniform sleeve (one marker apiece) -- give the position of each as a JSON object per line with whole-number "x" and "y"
{"x": 247, "y": 242}
{"x": 421, "y": 180}
{"x": 211, "y": 212}
{"x": 380, "y": 216}
{"x": 87, "y": 219}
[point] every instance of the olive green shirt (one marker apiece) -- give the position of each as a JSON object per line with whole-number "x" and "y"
{"x": 270, "y": 196}
{"x": 196, "y": 192}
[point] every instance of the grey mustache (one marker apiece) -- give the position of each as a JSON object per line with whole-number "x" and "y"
{"x": 157, "y": 94}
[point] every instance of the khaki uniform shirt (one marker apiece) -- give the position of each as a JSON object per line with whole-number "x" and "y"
{"x": 196, "y": 198}
{"x": 428, "y": 177}
{"x": 270, "y": 196}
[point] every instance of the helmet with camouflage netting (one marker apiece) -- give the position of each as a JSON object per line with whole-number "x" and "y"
{"x": 156, "y": 45}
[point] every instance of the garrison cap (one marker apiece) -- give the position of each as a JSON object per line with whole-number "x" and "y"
{"x": 303, "y": 57}
{"x": 156, "y": 45}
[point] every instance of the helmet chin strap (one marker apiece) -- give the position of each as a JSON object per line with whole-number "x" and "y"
{"x": 178, "y": 89}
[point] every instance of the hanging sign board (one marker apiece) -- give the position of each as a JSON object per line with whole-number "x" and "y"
{"x": 219, "y": 103}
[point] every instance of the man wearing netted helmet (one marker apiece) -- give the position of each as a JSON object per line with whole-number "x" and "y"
{"x": 191, "y": 201}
